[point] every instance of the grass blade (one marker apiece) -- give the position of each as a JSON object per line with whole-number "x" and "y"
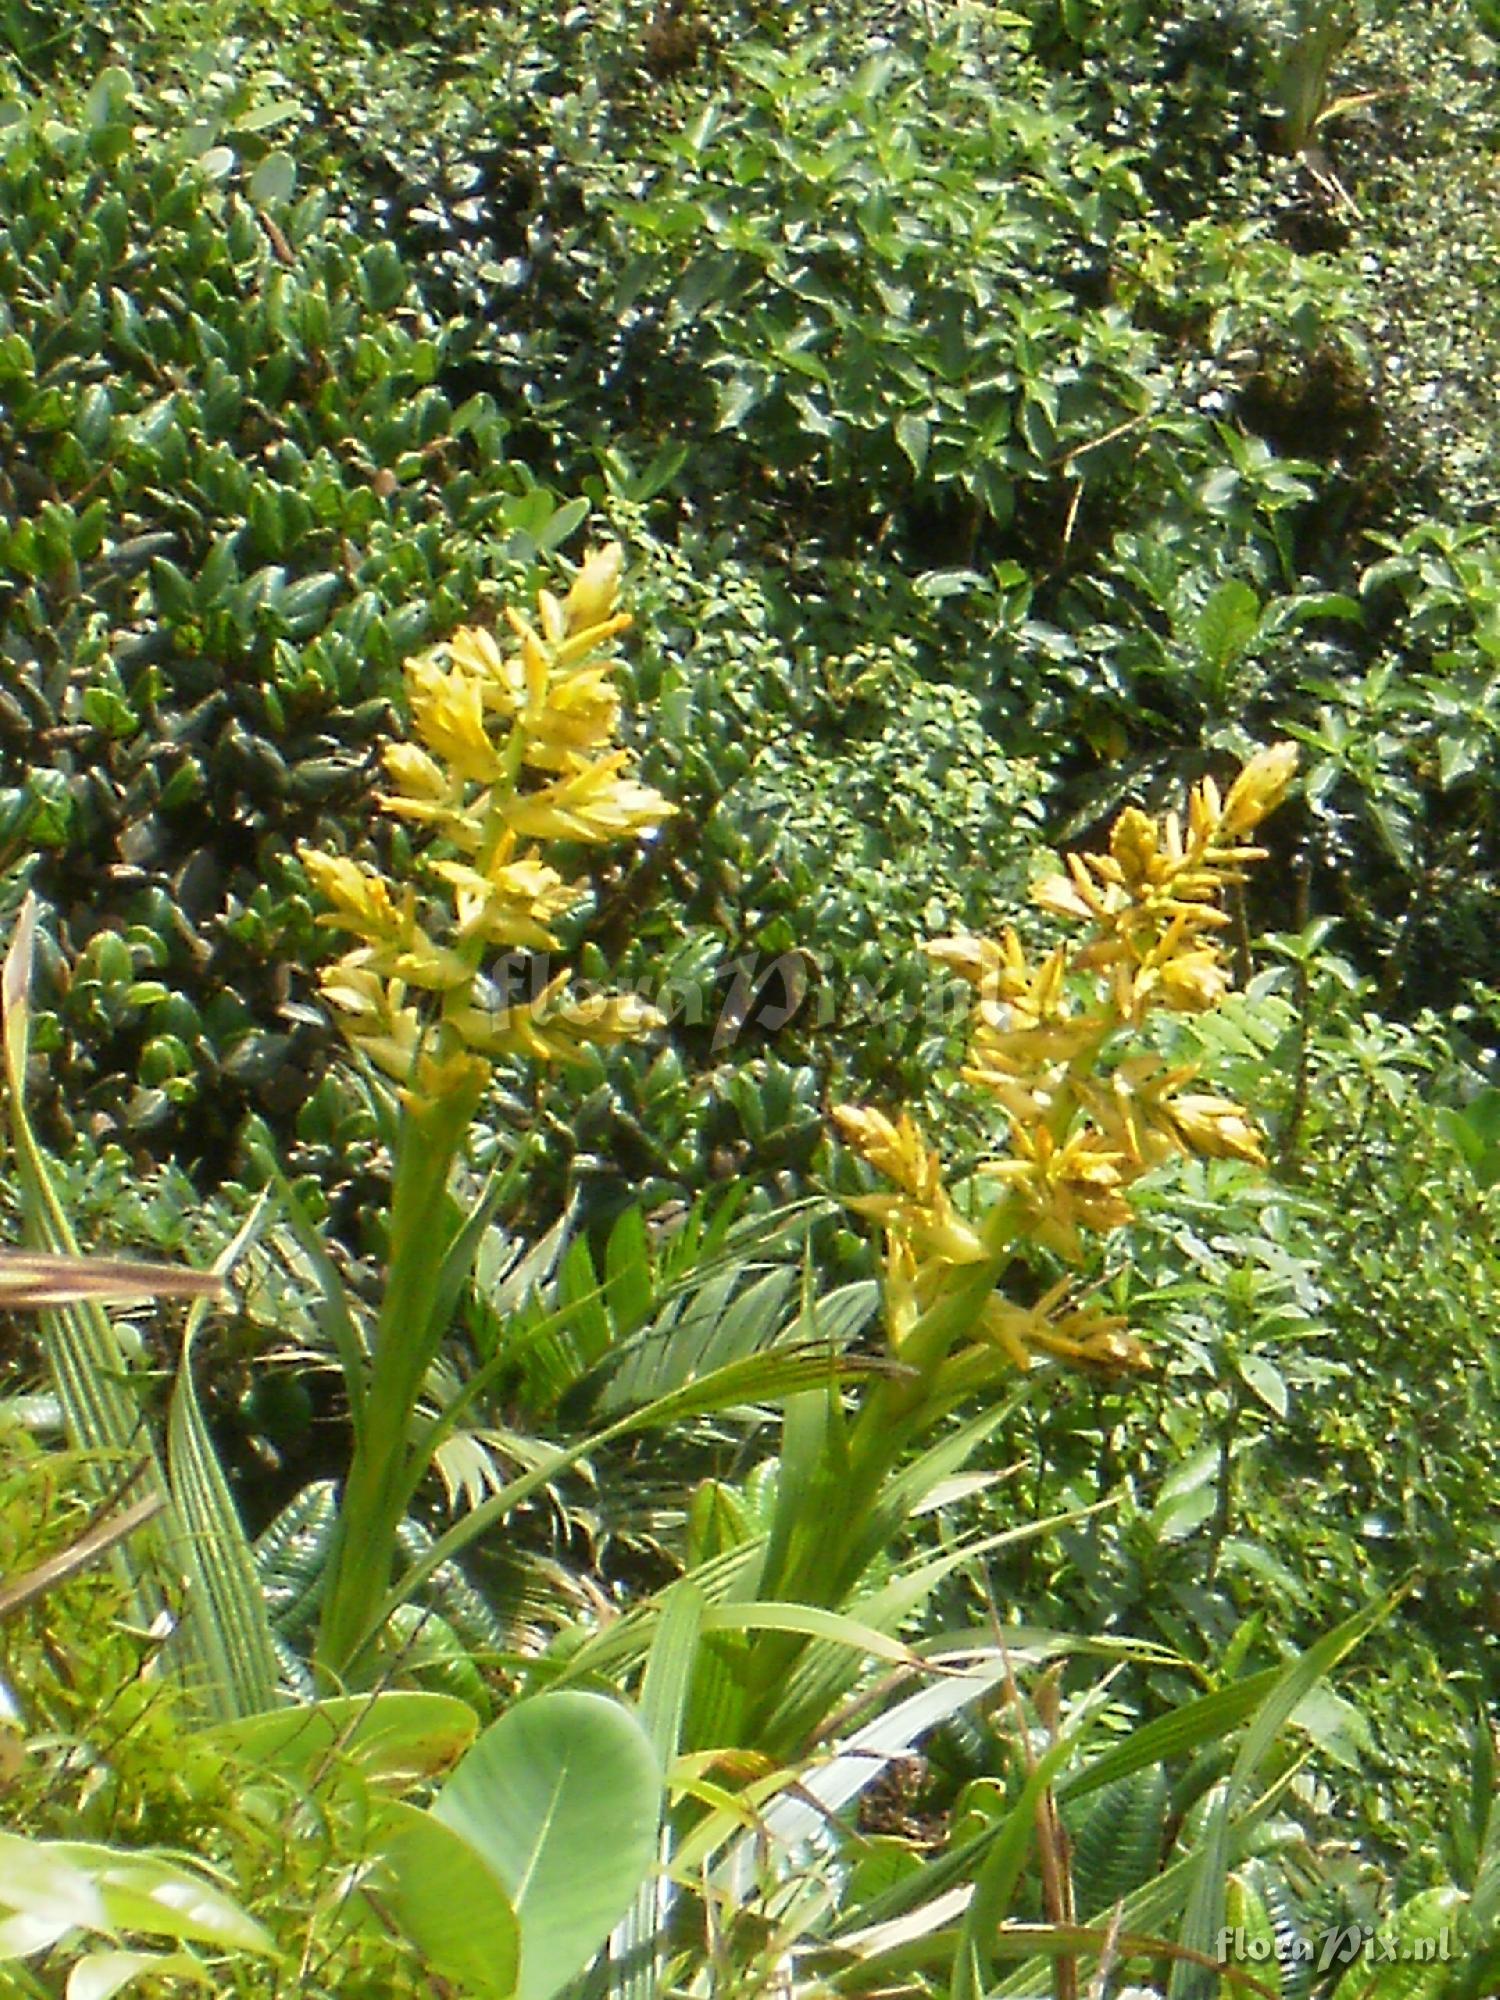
{"x": 1204, "y": 1918}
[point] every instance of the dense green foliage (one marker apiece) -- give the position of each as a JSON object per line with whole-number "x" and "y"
{"x": 1009, "y": 414}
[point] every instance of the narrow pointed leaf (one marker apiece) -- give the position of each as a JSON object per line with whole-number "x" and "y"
{"x": 1205, "y": 1912}
{"x": 233, "y": 1624}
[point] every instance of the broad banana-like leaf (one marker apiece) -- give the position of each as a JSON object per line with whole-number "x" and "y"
{"x": 562, "y": 1800}
{"x": 444, "y": 1897}
{"x": 396, "y": 1737}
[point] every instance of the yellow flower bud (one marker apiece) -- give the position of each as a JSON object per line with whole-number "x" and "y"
{"x": 1193, "y": 981}
{"x": 978, "y": 960}
{"x": 596, "y": 588}
{"x": 593, "y": 804}
{"x": 374, "y": 1015}
{"x": 1259, "y": 788}
{"x": 361, "y": 898}
{"x": 1133, "y": 846}
{"x": 898, "y": 1150}
{"x": 447, "y": 712}
{"x": 1071, "y": 895}
{"x": 1216, "y": 1127}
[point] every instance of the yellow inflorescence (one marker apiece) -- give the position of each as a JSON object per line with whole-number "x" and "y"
{"x": 512, "y": 745}
{"x": 1084, "y": 1120}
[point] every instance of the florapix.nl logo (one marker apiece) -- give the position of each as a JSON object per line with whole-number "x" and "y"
{"x": 1335, "y": 1947}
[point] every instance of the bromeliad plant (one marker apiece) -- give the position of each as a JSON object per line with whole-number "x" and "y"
{"x": 1067, "y": 1050}
{"x": 775, "y": 1620}
{"x": 513, "y": 748}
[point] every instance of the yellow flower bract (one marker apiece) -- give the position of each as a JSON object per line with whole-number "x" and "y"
{"x": 1060, "y": 1048}
{"x": 513, "y": 745}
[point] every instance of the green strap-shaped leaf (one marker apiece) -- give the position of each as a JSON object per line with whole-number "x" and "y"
{"x": 226, "y": 1601}
{"x": 637, "y": 1948}
{"x": 87, "y": 1365}
{"x": 1154, "y": 1908}
{"x": 760, "y": 1377}
{"x": 996, "y": 1880}
{"x": 1204, "y": 1919}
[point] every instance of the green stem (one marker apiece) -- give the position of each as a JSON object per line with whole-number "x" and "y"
{"x": 834, "y": 1539}
{"x": 407, "y": 1336}
{"x": 1224, "y": 1498}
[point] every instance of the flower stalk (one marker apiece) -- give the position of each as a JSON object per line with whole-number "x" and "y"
{"x": 1063, "y": 1051}
{"x": 512, "y": 749}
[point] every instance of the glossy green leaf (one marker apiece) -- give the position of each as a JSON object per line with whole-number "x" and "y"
{"x": 104, "y": 1973}
{"x": 1265, "y": 1381}
{"x": 914, "y": 435}
{"x": 275, "y": 179}
{"x": 1227, "y": 623}
{"x": 148, "y": 1892}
